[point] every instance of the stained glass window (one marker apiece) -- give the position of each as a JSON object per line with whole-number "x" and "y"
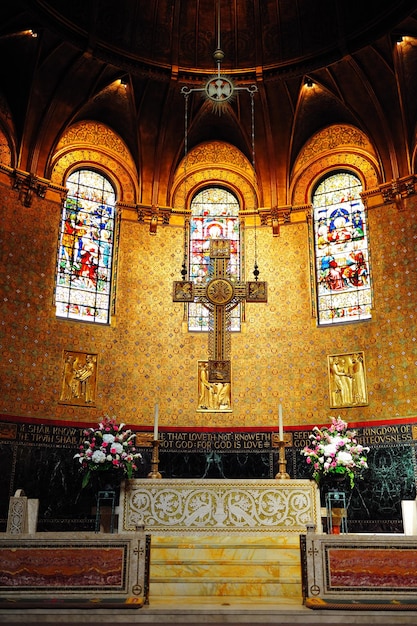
{"x": 84, "y": 271}
{"x": 214, "y": 215}
{"x": 341, "y": 250}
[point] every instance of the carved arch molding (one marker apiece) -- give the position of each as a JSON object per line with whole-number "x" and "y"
{"x": 333, "y": 147}
{"x": 5, "y": 152}
{"x": 215, "y": 162}
{"x": 89, "y": 144}
{"x": 8, "y": 150}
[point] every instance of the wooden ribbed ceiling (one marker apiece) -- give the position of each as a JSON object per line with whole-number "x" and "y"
{"x": 256, "y": 35}
{"x": 72, "y": 71}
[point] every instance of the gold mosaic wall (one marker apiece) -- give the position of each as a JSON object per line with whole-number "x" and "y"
{"x": 146, "y": 357}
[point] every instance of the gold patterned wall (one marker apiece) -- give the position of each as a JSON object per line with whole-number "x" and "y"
{"x": 145, "y": 356}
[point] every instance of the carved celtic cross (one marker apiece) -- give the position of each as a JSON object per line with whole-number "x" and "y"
{"x": 219, "y": 294}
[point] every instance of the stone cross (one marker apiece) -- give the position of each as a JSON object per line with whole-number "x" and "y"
{"x": 220, "y": 294}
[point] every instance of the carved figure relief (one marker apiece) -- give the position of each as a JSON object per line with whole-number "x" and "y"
{"x": 79, "y": 378}
{"x": 212, "y": 396}
{"x": 347, "y": 380}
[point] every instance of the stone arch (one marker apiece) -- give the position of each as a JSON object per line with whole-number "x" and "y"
{"x": 215, "y": 162}
{"x": 414, "y": 154}
{"x": 93, "y": 144}
{"x": 7, "y": 135}
{"x": 5, "y": 152}
{"x": 334, "y": 147}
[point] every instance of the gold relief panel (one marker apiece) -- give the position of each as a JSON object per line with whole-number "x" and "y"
{"x": 347, "y": 380}
{"x": 183, "y": 291}
{"x": 219, "y": 372}
{"x": 79, "y": 378}
{"x": 256, "y": 291}
{"x": 213, "y": 396}
{"x": 219, "y": 248}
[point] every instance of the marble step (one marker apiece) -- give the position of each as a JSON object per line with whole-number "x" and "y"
{"x": 243, "y": 553}
{"x": 229, "y": 569}
{"x": 220, "y": 588}
{"x": 218, "y": 544}
{"x": 289, "y": 557}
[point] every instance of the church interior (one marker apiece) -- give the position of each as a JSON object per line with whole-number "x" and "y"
{"x": 226, "y": 259}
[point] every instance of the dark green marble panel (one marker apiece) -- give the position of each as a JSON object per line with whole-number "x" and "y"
{"x": 39, "y": 460}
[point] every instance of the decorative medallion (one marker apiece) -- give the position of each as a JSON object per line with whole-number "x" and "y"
{"x": 220, "y": 291}
{"x": 219, "y": 89}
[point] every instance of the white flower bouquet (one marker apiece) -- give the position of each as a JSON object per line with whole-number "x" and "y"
{"x": 108, "y": 447}
{"x": 335, "y": 451}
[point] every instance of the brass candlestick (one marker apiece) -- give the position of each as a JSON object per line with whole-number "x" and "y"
{"x": 154, "y": 473}
{"x": 282, "y": 474}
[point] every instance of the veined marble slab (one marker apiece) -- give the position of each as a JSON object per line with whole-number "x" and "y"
{"x": 56, "y": 568}
{"x": 359, "y": 568}
{"x": 219, "y": 505}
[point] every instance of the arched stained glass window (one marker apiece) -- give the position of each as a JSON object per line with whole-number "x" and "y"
{"x": 341, "y": 250}
{"x": 214, "y": 215}
{"x": 85, "y": 256}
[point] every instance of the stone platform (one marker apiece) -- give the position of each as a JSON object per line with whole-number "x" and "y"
{"x": 226, "y": 611}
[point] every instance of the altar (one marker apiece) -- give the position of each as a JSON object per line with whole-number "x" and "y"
{"x": 224, "y": 538}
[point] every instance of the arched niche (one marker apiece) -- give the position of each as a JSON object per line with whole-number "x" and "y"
{"x": 215, "y": 162}
{"x": 332, "y": 148}
{"x": 92, "y": 144}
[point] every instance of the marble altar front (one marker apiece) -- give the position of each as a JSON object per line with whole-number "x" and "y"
{"x": 213, "y": 506}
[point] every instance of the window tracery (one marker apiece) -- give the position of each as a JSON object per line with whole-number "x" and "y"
{"x": 343, "y": 282}
{"x": 214, "y": 215}
{"x": 85, "y": 255}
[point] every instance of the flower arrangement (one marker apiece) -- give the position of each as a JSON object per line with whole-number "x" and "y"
{"x": 107, "y": 447}
{"x": 335, "y": 451}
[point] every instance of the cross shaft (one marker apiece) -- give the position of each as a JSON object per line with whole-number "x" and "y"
{"x": 219, "y": 295}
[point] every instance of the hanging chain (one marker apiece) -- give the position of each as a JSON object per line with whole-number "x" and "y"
{"x": 252, "y": 100}
{"x": 184, "y": 264}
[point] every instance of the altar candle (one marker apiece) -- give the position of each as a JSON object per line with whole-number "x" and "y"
{"x": 155, "y": 422}
{"x": 281, "y": 427}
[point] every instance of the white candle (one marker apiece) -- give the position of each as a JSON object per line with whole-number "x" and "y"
{"x": 155, "y": 422}
{"x": 281, "y": 426}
